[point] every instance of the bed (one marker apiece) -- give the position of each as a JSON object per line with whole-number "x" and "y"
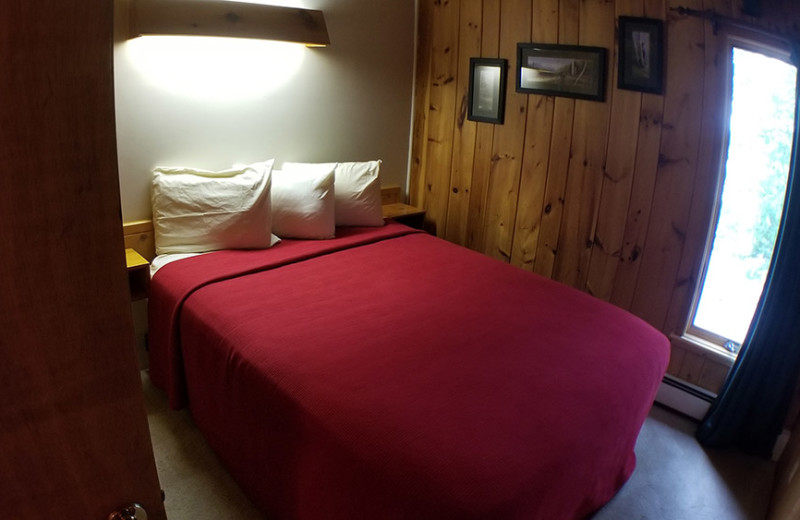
{"x": 386, "y": 373}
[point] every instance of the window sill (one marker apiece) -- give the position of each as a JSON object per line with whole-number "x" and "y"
{"x": 705, "y": 348}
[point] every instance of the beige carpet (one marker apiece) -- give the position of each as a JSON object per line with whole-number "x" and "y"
{"x": 675, "y": 478}
{"x": 196, "y": 487}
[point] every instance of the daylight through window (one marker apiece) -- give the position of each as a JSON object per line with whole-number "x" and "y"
{"x": 750, "y": 204}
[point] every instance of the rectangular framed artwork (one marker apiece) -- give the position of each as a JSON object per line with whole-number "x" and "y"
{"x": 641, "y": 54}
{"x": 487, "y": 90}
{"x": 561, "y": 70}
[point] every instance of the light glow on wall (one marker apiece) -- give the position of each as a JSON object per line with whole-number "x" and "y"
{"x": 227, "y": 70}
{"x": 283, "y": 3}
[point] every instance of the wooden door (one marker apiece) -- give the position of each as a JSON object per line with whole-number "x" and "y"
{"x": 74, "y": 441}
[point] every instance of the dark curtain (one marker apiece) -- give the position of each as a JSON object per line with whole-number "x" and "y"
{"x": 750, "y": 410}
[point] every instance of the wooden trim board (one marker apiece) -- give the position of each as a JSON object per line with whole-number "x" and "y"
{"x": 140, "y": 237}
{"x": 232, "y": 19}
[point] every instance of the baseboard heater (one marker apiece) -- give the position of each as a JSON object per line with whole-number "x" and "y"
{"x": 684, "y": 397}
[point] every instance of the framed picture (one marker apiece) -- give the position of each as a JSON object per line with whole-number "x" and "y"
{"x": 561, "y": 70}
{"x": 641, "y": 54}
{"x": 487, "y": 90}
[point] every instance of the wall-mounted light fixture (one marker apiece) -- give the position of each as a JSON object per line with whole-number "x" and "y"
{"x": 230, "y": 19}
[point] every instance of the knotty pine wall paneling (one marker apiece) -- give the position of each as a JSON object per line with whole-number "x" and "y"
{"x": 422, "y": 102}
{"x": 587, "y": 156}
{"x": 710, "y": 158}
{"x": 613, "y": 198}
{"x": 666, "y": 233}
{"x": 470, "y": 23}
{"x": 482, "y": 160}
{"x": 441, "y": 118}
{"x": 617, "y": 177}
{"x": 536, "y": 154}
{"x": 509, "y": 138}
{"x": 560, "y": 144}
{"x": 648, "y": 143}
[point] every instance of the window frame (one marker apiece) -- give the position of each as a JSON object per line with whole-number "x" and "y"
{"x": 729, "y": 38}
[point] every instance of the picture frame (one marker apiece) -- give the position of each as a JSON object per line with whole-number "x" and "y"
{"x": 562, "y": 70}
{"x": 641, "y": 54}
{"x": 487, "y": 90}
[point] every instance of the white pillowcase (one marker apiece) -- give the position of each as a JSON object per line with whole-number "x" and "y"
{"x": 358, "y": 190}
{"x": 303, "y": 204}
{"x": 196, "y": 211}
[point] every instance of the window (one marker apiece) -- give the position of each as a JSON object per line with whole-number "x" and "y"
{"x": 751, "y": 194}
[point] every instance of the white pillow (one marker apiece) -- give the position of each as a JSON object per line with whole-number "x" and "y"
{"x": 303, "y": 204}
{"x": 358, "y": 190}
{"x": 196, "y": 211}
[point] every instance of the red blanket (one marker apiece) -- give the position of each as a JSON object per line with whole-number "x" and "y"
{"x": 395, "y": 375}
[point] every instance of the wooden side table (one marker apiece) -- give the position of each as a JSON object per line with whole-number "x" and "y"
{"x": 409, "y": 215}
{"x": 138, "y": 274}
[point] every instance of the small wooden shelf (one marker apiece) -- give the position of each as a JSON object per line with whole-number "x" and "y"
{"x": 231, "y": 19}
{"x": 138, "y": 274}
{"x": 405, "y": 214}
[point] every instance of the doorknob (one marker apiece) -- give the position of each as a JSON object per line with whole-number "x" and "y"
{"x": 131, "y": 512}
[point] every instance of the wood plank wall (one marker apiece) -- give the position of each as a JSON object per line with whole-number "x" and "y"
{"x": 612, "y": 197}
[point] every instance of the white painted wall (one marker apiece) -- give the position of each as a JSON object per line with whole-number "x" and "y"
{"x": 350, "y": 101}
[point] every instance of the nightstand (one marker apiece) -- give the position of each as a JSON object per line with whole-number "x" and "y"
{"x": 409, "y": 215}
{"x": 138, "y": 274}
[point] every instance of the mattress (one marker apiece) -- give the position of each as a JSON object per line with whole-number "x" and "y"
{"x": 390, "y": 374}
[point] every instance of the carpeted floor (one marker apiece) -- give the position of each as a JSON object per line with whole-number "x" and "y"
{"x": 195, "y": 485}
{"x": 675, "y": 479}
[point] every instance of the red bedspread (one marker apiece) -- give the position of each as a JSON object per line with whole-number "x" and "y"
{"x": 395, "y": 375}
